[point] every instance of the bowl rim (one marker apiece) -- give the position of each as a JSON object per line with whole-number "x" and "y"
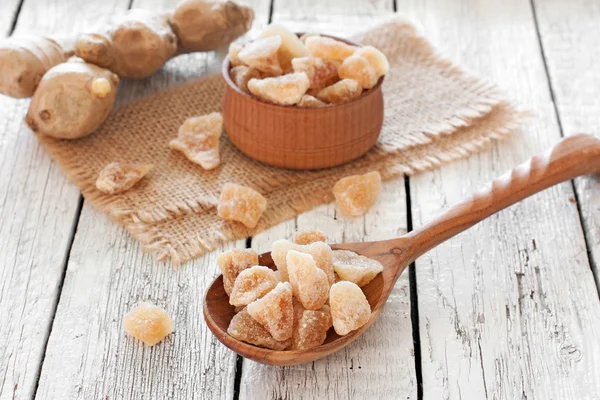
{"x": 226, "y": 66}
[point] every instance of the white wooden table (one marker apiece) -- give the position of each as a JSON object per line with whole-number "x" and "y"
{"x": 509, "y": 309}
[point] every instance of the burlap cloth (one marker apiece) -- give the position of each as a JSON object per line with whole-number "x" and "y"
{"x": 435, "y": 112}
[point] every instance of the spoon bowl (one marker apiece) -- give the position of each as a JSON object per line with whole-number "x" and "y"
{"x": 571, "y": 157}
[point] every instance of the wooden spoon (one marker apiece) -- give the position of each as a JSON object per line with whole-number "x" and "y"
{"x": 569, "y": 158}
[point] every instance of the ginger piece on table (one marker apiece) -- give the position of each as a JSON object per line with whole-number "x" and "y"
{"x": 242, "y": 74}
{"x": 328, "y": 48}
{"x": 376, "y": 58}
{"x": 251, "y": 284}
{"x": 349, "y": 307}
{"x": 198, "y": 139}
{"x": 308, "y": 101}
{"x": 242, "y": 204}
{"x": 116, "y": 178}
{"x": 344, "y": 90}
{"x": 232, "y": 263}
{"x": 320, "y": 251}
{"x": 310, "y": 328}
{"x": 245, "y": 328}
{"x": 309, "y": 236}
{"x": 357, "y": 193}
{"x": 284, "y": 90}
{"x": 148, "y": 323}
{"x": 355, "y": 268}
{"x": 320, "y": 72}
{"x": 275, "y": 312}
{"x": 360, "y": 70}
{"x": 262, "y": 55}
{"x": 310, "y": 284}
{"x": 291, "y": 46}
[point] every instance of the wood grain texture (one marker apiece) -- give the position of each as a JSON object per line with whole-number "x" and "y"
{"x": 570, "y": 35}
{"x": 8, "y": 13}
{"x": 508, "y": 309}
{"x": 88, "y": 353}
{"x": 38, "y": 208}
{"x": 382, "y": 361}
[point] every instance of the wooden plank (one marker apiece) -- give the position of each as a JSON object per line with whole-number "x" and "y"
{"x": 88, "y": 354}
{"x": 570, "y": 36}
{"x": 38, "y": 209}
{"x": 8, "y": 13}
{"x": 508, "y": 309}
{"x": 381, "y": 363}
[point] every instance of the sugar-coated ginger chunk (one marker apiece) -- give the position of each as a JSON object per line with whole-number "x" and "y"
{"x": 148, "y": 323}
{"x": 310, "y": 328}
{"x": 349, "y": 307}
{"x": 355, "y": 268}
{"x": 245, "y": 328}
{"x": 309, "y": 283}
{"x": 233, "y": 53}
{"x": 309, "y": 236}
{"x": 233, "y": 262}
{"x": 328, "y": 48}
{"x": 307, "y": 35}
{"x": 116, "y": 178}
{"x": 308, "y": 101}
{"x": 291, "y": 46}
{"x": 262, "y": 55}
{"x": 198, "y": 139}
{"x": 320, "y": 72}
{"x": 242, "y": 74}
{"x": 358, "y": 69}
{"x": 275, "y": 311}
{"x": 357, "y": 193}
{"x": 251, "y": 284}
{"x": 344, "y": 90}
{"x": 284, "y": 90}
{"x": 376, "y": 58}
{"x": 321, "y": 253}
{"x": 242, "y": 204}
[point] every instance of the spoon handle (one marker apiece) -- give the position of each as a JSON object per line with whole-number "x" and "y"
{"x": 571, "y": 157}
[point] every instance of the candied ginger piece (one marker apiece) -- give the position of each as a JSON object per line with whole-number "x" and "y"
{"x": 349, "y": 307}
{"x": 251, "y": 284}
{"x": 355, "y": 268}
{"x": 116, "y": 178}
{"x": 245, "y": 328}
{"x": 320, "y": 251}
{"x": 284, "y": 90}
{"x": 307, "y": 35}
{"x": 376, "y": 58}
{"x": 242, "y": 204}
{"x": 344, "y": 90}
{"x": 291, "y": 46}
{"x": 357, "y": 193}
{"x": 262, "y": 55}
{"x": 275, "y": 311}
{"x": 310, "y": 101}
{"x": 309, "y": 236}
{"x": 234, "y": 52}
{"x": 242, "y": 74}
{"x": 358, "y": 69}
{"x": 320, "y": 73}
{"x": 310, "y": 284}
{"x": 233, "y": 262}
{"x": 198, "y": 139}
{"x": 148, "y": 323}
{"x": 325, "y": 47}
{"x": 310, "y": 328}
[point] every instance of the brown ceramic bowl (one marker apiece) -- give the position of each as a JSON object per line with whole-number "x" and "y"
{"x": 302, "y": 138}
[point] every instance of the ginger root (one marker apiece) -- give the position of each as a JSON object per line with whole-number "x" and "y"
{"x": 72, "y": 100}
{"x": 135, "y": 45}
{"x": 203, "y": 25}
{"x": 24, "y": 60}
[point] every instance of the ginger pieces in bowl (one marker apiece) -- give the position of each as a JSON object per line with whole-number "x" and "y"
{"x": 294, "y": 307}
{"x": 310, "y": 71}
